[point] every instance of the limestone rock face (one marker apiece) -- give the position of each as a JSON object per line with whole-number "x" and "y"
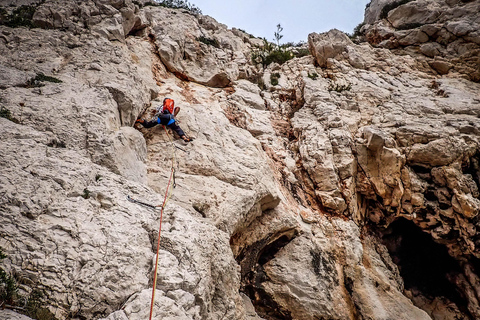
{"x": 327, "y": 45}
{"x": 446, "y": 32}
{"x": 199, "y": 50}
{"x": 284, "y": 206}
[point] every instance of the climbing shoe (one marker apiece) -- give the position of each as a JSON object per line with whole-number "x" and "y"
{"x": 141, "y": 121}
{"x": 187, "y": 139}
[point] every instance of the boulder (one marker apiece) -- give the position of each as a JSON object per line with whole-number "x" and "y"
{"x": 327, "y": 45}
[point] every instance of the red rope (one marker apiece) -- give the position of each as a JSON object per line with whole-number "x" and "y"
{"x": 158, "y": 242}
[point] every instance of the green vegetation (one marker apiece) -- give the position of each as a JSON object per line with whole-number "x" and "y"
{"x": 274, "y": 78}
{"x": 251, "y": 36}
{"x": 39, "y": 79}
{"x": 208, "y": 41}
{"x": 5, "y": 113}
{"x": 8, "y": 286}
{"x": 269, "y": 53}
{"x": 295, "y": 44}
{"x": 34, "y": 308}
{"x": 339, "y": 87}
{"x": 20, "y": 17}
{"x": 278, "y": 53}
{"x": 258, "y": 79}
{"x": 42, "y": 77}
{"x": 278, "y": 35}
{"x": 261, "y": 84}
{"x": 313, "y": 76}
{"x": 356, "y": 30}
{"x": 174, "y": 4}
{"x": 390, "y": 6}
{"x": 301, "y": 52}
{"x": 86, "y": 193}
{"x": 30, "y": 305}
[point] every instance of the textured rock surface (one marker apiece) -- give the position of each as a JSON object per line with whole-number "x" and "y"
{"x": 442, "y": 34}
{"x": 286, "y": 201}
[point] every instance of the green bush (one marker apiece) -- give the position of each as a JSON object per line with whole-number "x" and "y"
{"x": 34, "y": 308}
{"x": 279, "y": 56}
{"x": 5, "y": 113}
{"x": 8, "y": 285}
{"x": 174, "y": 4}
{"x": 30, "y": 305}
{"x": 251, "y": 36}
{"x": 356, "y": 30}
{"x": 269, "y": 52}
{"x": 390, "y": 6}
{"x": 339, "y": 87}
{"x": 208, "y": 41}
{"x": 294, "y": 44}
{"x": 261, "y": 84}
{"x": 86, "y": 194}
{"x": 274, "y": 78}
{"x": 313, "y": 76}
{"x": 258, "y": 79}
{"x": 301, "y": 52}
{"x": 39, "y": 79}
{"x": 42, "y": 77}
{"x": 20, "y": 17}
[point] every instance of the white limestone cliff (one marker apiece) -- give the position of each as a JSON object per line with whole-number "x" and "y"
{"x": 280, "y": 201}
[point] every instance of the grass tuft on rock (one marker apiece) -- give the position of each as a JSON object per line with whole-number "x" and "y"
{"x": 7, "y": 114}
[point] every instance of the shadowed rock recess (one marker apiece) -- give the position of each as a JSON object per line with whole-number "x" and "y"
{"x": 343, "y": 184}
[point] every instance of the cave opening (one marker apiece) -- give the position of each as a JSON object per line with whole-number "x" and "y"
{"x": 425, "y": 266}
{"x": 252, "y": 259}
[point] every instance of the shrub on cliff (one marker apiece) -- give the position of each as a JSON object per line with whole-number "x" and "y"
{"x": 8, "y": 286}
{"x": 269, "y": 52}
{"x": 7, "y": 114}
{"x": 19, "y": 17}
{"x": 174, "y": 4}
{"x": 390, "y": 6}
{"x": 30, "y": 305}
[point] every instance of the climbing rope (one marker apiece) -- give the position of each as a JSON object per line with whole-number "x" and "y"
{"x": 165, "y": 200}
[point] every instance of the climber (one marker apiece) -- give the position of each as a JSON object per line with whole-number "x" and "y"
{"x": 165, "y": 115}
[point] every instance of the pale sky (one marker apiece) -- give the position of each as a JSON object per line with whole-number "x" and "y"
{"x": 297, "y": 17}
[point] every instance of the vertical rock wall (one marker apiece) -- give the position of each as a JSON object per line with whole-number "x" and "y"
{"x": 277, "y": 201}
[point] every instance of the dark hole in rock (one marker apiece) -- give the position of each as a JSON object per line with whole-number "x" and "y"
{"x": 424, "y": 265}
{"x": 430, "y": 195}
{"x": 271, "y": 250}
{"x": 265, "y": 306}
{"x": 443, "y": 206}
{"x": 252, "y": 260}
{"x": 420, "y": 169}
{"x": 476, "y": 264}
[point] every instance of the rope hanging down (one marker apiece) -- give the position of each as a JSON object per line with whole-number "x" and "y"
{"x": 168, "y": 195}
{"x": 165, "y": 200}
